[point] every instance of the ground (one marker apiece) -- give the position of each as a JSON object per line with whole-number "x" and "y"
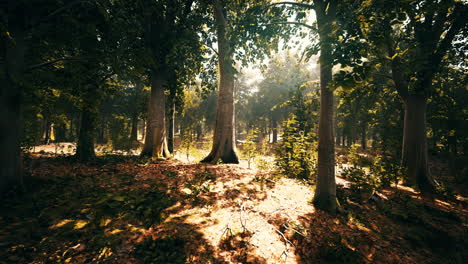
{"x": 121, "y": 209}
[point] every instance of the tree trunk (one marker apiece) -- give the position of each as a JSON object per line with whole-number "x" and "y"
{"x": 171, "y": 128}
{"x": 337, "y": 137}
{"x": 46, "y": 134}
{"x": 14, "y": 47}
{"x": 155, "y": 142}
{"x": 85, "y": 146}
{"x": 275, "y": 131}
{"x": 364, "y": 136}
{"x": 134, "y": 130}
{"x": 325, "y": 192}
{"x": 414, "y": 153}
{"x": 60, "y": 132}
{"x": 102, "y": 135}
{"x": 143, "y": 129}
{"x": 147, "y": 150}
{"x": 224, "y": 136}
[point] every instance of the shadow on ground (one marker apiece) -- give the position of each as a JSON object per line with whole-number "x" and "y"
{"x": 113, "y": 210}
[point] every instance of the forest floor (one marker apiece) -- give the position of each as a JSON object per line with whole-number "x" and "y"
{"x": 120, "y": 209}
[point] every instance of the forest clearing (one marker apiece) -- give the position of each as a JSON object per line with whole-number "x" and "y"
{"x": 233, "y": 131}
{"x": 122, "y": 209}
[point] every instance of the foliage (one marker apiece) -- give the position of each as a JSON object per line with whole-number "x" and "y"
{"x": 387, "y": 169}
{"x": 249, "y": 147}
{"x": 200, "y": 183}
{"x": 294, "y": 156}
{"x": 362, "y": 183}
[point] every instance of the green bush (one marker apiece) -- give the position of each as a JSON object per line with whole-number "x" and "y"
{"x": 295, "y": 157}
{"x": 362, "y": 183}
{"x": 387, "y": 169}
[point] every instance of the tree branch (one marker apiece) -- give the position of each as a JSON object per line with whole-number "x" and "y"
{"x": 293, "y": 23}
{"x": 47, "y": 63}
{"x": 457, "y": 24}
{"x": 63, "y": 8}
{"x": 210, "y": 47}
{"x": 107, "y": 77}
{"x": 310, "y": 6}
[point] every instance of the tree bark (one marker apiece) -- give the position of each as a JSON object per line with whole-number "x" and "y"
{"x": 10, "y": 108}
{"x": 275, "y": 131}
{"x": 155, "y": 142}
{"x": 171, "y": 128}
{"x": 147, "y": 150}
{"x": 134, "y": 130}
{"x": 60, "y": 134}
{"x": 102, "y": 136}
{"x": 46, "y": 133}
{"x": 224, "y": 135}
{"x": 414, "y": 153}
{"x": 364, "y": 136}
{"x": 85, "y": 146}
{"x": 325, "y": 192}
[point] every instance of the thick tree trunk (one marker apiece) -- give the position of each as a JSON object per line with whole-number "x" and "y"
{"x": 147, "y": 150}
{"x": 224, "y": 136}
{"x": 10, "y": 156}
{"x": 85, "y": 146}
{"x": 155, "y": 142}
{"x": 415, "y": 154}
{"x": 325, "y": 192}
{"x": 14, "y": 46}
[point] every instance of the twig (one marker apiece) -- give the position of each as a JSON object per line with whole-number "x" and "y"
{"x": 243, "y": 223}
{"x": 286, "y": 241}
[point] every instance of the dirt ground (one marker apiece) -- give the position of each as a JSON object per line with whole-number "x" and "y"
{"x": 121, "y": 209}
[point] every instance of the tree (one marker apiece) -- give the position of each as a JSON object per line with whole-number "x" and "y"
{"x": 414, "y": 38}
{"x": 21, "y": 24}
{"x": 241, "y": 35}
{"x": 224, "y": 137}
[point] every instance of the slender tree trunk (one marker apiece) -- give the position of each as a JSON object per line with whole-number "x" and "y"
{"x": 46, "y": 134}
{"x": 85, "y": 146}
{"x": 171, "y": 128}
{"x": 14, "y": 47}
{"x": 337, "y": 137}
{"x": 343, "y": 137}
{"x": 364, "y": 136}
{"x": 415, "y": 154}
{"x": 60, "y": 133}
{"x": 325, "y": 192}
{"x": 224, "y": 147}
{"x": 143, "y": 129}
{"x": 101, "y": 138}
{"x": 134, "y": 130}
{"x": 275, "y": 131}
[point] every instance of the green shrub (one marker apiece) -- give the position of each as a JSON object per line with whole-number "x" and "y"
{"x": 294, "y": 157}
{"x": 387, "y": 169}
{"x": 249, "y": 148}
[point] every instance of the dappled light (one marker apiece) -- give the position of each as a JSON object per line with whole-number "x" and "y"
{"x": 218, "y": 131}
